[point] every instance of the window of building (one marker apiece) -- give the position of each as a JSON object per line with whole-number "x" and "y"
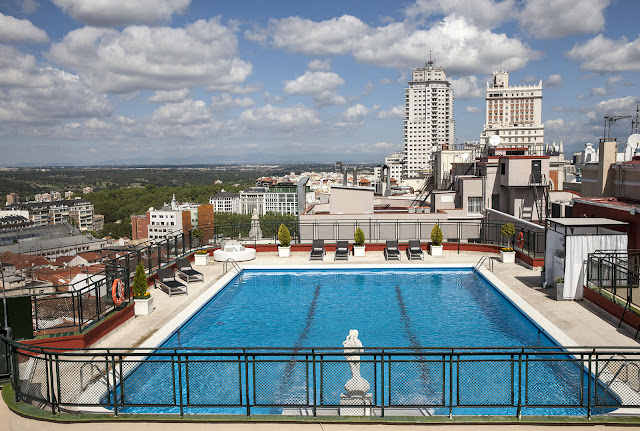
{"x": 503, "y": 168}
{"x": 474, "y": 205}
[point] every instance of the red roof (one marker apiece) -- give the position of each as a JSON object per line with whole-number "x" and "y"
{"x": 22, "y": 261}
{"x": 624, "y": 204}
{"x": 90, "y": 256}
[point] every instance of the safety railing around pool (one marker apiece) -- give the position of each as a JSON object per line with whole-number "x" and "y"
{"x": 369, "y": 382}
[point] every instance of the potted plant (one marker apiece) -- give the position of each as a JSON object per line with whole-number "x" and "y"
{"x": 201, "y": 258}
{"x": 198, "y": 234}
{"x": 559, "y": 288}
{"x": 358, "y": 247}
{"x": 284, "y": 249}
{"x": 506, "y": 253}
{"x": 436, "y": 241}
{"x": 142, "y": 300}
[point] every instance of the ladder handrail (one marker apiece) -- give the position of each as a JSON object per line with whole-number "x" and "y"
{"x": 234, "y": 265}
{"x": 481, "y": 261}
{"x": 625, "y": 365}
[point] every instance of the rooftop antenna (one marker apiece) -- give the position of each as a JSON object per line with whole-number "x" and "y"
{"x": 634, "y": 123}
{"x": 430, "y": 62}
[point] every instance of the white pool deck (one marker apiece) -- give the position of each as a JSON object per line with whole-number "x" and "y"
{"x": 579, "y": 322}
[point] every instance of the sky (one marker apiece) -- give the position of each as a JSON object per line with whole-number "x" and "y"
{"x": 207, "y": 81}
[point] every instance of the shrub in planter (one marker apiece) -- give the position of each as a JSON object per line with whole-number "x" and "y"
{"x": 358, "y": 237}
{"x": 436, "y": 236}
{"x": 140, "y": 283}
{"x": 284, "y": 236}
{"x": 508, "y": 230}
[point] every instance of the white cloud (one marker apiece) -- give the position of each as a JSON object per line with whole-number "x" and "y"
{"x": 546, "y": 19}
{"x": 270, "y": 117}
{"x": 554, "y": 125}
{"x": 34, "y": 94}
{"x": 394, "y": 112}
{"x": 203, "y": 53}
{"x": 327, "y": 98}
{"x": 607, "y": 55}
{"x": 186, "y": 113}
{"x": 354, "y": 116}
{"x": 320, "y": 65}
{"x": 320, "y": 85}
{"x": 172, "y": 96}
{"x": 20, "y": 30}
{"x": 456, "y": 43}
{"x": 621, "y": 105}
{"x": 553, "y": 81}
{"x": 102, "y": 13}
{"x": 29, "y": 6}
{"x": 484, "y": 13}
{"x": 382, "y": 146}
{"x": 466, "y": 87}
{"x": 472, "y": 109}
{"x": 225, "y": 101}
{"x": 313, "y": 83}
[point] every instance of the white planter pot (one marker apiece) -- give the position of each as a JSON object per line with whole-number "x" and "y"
{"x": 560, "y": 291}
{"x": 201, "y": 259}
{"x": 284, "y": 251}
{"x": 142, "y": 307}
{"x": 508, "y": 256}
{"x": 436, "y": 250}
{"x": 358, "y": 250}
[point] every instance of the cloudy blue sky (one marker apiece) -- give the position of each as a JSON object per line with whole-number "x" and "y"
{"x": 89, "y": 81}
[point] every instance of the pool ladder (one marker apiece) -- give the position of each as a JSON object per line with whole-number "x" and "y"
{"x": 482, "y": 260}
{"x": 234, "y": 265}
{"x": 624, "y": 366}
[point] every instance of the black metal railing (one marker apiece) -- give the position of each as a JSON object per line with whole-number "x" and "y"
{"x": 249, "y": 381}
{"x": 615, "y": 274}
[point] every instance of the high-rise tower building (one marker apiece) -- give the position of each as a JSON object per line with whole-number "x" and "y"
{"x": 428, "y": 120}
{"x": 514, "y": 114}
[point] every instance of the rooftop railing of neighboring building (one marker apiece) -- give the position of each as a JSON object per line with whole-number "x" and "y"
{"x": 615, "y": 274}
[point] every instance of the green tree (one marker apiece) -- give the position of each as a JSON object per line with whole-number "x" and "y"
{"x": 284, "y": 236}
{"x": 436, "y": 235}
{"x": 508, "y": 230}
{"x": 140, "y": 283}
{"x": 358, "y": 237}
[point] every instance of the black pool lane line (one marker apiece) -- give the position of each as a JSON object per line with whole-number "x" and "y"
{"x": 285, "y": 383}
{"x": 412, "y": 336}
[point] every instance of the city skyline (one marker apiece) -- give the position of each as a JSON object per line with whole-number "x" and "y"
{"x": 188, "y": 81}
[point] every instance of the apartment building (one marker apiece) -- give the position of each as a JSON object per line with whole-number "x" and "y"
{"x": 79, "y": 211}
{"x": 225, "y": 202}
{"x": 428, "y": 122}
{"x": 514, "y": 113}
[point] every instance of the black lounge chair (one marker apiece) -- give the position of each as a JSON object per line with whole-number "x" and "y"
{"x": 186, "y": 272}
{"x": 391, "y": 251}
{"x": 342, "y": 250}
{"x": 167, "y": 281}
{"x": 317, "y": 250}
{"x": 414, "y": 251}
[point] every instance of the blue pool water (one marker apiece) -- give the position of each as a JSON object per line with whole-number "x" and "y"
{"x": 390, "y": 308}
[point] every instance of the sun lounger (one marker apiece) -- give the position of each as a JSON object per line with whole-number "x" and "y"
{"x": 317, "y": 250}
{"x": 391, "y": 251}
{"x": 342, "y": 250}
{"x": 414, "y": 251}
{"x": 167, "y": 281}
{"x": 186, "y": 272}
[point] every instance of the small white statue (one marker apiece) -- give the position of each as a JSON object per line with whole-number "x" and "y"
{"x": 355, "y": 385}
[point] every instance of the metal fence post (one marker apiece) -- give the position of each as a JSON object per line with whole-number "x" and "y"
{"x": 314, "y": 385}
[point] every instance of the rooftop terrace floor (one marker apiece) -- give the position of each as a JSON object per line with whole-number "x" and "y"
{"x": 581, "y": 321}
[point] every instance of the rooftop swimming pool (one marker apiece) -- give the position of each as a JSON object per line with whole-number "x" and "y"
{"x": 438, "y": 341}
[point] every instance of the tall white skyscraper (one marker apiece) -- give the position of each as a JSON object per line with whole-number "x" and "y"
{"x": 428, "y": 121}
{"x": 514, "y": 114}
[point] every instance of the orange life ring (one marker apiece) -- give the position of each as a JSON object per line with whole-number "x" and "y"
{"x": 117, "y": 291}
{"x": 520, "y": 240}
